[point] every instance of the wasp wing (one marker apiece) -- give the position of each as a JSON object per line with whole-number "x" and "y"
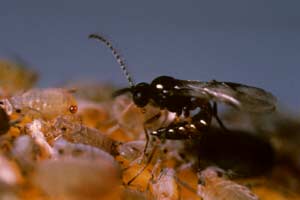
{"x": 244, "y": 97}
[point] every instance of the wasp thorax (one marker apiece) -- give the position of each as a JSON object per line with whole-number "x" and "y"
{"x": 164, "y": 84}
{"x": 164, "y": 87}
{"x": 141, "y": 94}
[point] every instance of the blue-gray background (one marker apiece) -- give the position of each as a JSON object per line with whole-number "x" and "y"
{"x": 253, "y": 42}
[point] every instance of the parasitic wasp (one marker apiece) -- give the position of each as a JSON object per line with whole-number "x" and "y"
{"x": 185, "y": 96}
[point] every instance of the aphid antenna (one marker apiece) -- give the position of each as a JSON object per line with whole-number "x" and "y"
{"x": 117, "y": 56}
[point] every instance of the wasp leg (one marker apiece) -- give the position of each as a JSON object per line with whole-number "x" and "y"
{"x": 145, "y": 153}
{"x": 145, "y": 166}
{"x": 147, "y": 142}
{"x": 149, "y": 121}
{"x": 215, "y": 113}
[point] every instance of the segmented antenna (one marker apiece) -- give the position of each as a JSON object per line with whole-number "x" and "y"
{"x": 116, "y": 55}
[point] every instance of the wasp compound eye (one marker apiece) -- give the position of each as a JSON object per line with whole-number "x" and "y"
{"x": 73, "y": 109}
{"x": 141, "y": 94}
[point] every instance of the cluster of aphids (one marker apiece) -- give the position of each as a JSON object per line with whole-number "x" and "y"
{"x": 158, "y": 142}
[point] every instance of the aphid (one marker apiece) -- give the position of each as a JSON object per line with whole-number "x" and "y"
{"x": 45, "y": 103}
{"x": 186, "y": 96}
{"x": 214, "y": 186}
{"x": 164, "y": 186}
{"x": 78, "y": 133}
{"x": 77, "y": 178}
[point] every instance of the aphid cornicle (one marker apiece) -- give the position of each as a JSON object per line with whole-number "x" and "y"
{"x": 185, "y": 96}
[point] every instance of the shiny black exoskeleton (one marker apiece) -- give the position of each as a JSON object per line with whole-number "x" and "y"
{"x": 165, "y": 92}
{"x": 190, "y": 100}
{"x": 185, "y": 97}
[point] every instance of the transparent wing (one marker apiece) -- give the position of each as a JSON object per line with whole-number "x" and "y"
{"x": 244, "y": 97}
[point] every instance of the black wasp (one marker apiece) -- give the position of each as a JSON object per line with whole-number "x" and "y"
{"x": 186, "y": 96}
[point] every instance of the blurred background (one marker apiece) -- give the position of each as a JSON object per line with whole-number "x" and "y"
{"x": 251, "y": 42}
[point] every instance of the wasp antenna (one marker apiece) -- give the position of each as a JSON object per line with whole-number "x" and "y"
{"x": 116, "y": 55}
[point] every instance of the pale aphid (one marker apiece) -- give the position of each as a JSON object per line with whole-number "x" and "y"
{"x": 164, "y": 186}
{"x": 65, "y": 149}
{"x": 44, "y": 103}
{"x": 214, "y": 186}
{"x": 77, "y": 178}
{"x": 76, "y": 132}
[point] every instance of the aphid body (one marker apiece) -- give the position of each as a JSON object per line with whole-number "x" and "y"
{"x": 45, "y": 103}
{"x": 76, "y": 132}
{"x": 165, "y": 186}
{"x": 213, "y": 186}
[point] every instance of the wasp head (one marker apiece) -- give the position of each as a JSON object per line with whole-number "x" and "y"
{"x": 141, "y": 94}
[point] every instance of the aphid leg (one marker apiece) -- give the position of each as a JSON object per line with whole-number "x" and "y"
{"x": 145, "y": 166}
{"x": 215, "y": 113}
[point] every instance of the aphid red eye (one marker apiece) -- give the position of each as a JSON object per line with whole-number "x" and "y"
{"x": 73, "y": 109}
